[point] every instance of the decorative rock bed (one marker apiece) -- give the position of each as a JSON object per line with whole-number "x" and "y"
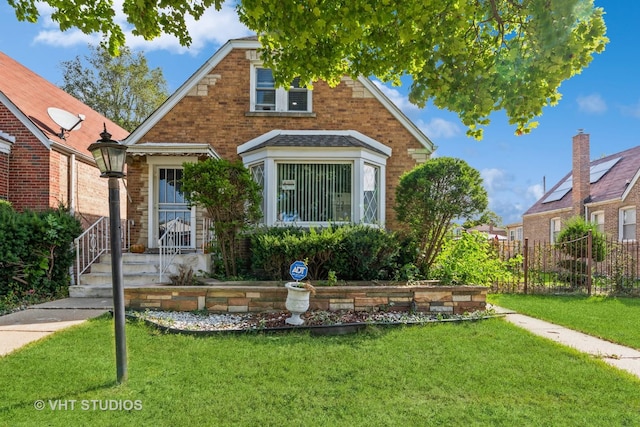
{"x": 316, "y": 322}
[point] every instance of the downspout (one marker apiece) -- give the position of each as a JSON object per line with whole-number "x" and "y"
{"x": 72, "y": 185}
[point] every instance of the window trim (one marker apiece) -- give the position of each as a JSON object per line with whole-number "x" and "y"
{"x": 281, "y": 96}
{"x": 358, "y": 157}
{"x": 552, "y": 231}
{"x": 592, "y": 219}
{"x": 621, "y": 224}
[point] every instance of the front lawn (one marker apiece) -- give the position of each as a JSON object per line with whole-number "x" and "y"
{"x": 475, "y": 373}
{"x": 614, "y": 319}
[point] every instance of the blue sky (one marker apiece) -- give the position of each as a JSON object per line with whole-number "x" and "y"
{"x": 604, "y": 99}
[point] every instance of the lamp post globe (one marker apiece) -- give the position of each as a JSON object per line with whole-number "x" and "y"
{"x": 110, "y": 155}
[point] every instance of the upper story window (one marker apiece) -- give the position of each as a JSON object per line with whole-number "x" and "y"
{"x": 555, "y": 229}
{"x": 597, "y": 218}
{"x": 266, "y": 97}
{"x": 627, "y": 228}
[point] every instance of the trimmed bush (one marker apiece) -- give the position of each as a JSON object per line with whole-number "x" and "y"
{"x": 36, "y": 251}
{"x": 351, "y": 252}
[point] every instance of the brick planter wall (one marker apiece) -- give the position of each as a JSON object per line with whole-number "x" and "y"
{"x": 257, "y": 298}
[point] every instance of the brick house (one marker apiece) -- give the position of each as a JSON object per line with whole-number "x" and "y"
{"x": 322, "y": 155}
{"x": 606, "y": 192}
{"x": 42, "y": 165}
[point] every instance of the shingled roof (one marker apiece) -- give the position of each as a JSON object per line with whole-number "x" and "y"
{"x": 315, "y": 140}
{"x": 28, "y": 96}
{"x": 611, "y": 186}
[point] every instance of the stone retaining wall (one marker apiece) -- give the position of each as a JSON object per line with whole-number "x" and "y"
{"x": 257, "y": 298}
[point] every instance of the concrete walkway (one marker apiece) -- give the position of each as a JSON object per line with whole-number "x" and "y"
{"x": 621, "y": 357}
{"x": 22, "y": 327}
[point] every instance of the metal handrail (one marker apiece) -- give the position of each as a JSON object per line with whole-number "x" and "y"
{"x": 94, "y": 242}
{"x": 208, "y": 235}
{"x": 168, "y": 248}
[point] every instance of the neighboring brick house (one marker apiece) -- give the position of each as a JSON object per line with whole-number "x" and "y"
{"x": 322, "y": 155}
{"x": 40, "y": 165}
{"x": 607, "y": 193}
{"x": 514, "y": 232}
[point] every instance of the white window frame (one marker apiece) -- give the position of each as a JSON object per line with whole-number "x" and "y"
{"x": 597, "y": 218}
{"x": 281, "y": 96}
{"x": 621, "y": 223}
{"x": 555, "y": 225}
{"x": 357, "y": 157}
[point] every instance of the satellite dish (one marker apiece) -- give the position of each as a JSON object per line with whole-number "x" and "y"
{"x": 66, "y": 120}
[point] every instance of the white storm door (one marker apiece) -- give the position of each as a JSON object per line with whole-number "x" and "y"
{"x": 171, "y": 209}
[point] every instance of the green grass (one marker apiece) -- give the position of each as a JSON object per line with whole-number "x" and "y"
{"x": 475, "y": 373}
{"x": 614, "y": 319}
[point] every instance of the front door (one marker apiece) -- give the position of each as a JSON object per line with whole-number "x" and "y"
{"x": 173, "y": 212}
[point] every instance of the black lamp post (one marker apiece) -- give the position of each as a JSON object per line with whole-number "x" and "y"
{"x": 110, "y": 157}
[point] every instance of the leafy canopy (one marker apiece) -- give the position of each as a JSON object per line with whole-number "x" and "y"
{"x": 471, "y": 57}
{"x": 432, "y": 195}
{"x": 122, "y": 88}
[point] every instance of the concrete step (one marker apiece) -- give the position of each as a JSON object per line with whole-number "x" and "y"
{"x": 93, "y": 291}
{"x": 128, "y": 279}
{"x": 127, "y": 268}
{"x": 137, "y": 269}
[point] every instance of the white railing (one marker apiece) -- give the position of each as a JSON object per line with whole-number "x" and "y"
{"x": 95, "y": 241}
{"x": 208, "y": 236}
{"x": 169, "y": 246}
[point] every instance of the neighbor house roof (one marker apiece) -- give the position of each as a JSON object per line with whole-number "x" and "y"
{"x": 621, "y": 171}
{"x": 28, "y": 96}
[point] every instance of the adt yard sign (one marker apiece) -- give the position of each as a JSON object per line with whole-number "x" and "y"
{"x": 298, "y": 270}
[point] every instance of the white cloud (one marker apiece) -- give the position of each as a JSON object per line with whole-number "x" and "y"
{"x": 534, "y": 192}
{"x": 496, "y": 180}
{"x": 631, "y": 110}
{"x": 401, "y": 101}
{"x": 439, "y": 128}
{"x": 213, "y": 27}
{"x": 592, "y": 104}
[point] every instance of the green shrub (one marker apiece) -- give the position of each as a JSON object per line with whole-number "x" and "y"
{"x": 471, "y": 260}
{"x": 352, "y": 252}
{"x": 572, "y": 239}
{"x": 36, "y": 252}
{"x": 365, "y": 253}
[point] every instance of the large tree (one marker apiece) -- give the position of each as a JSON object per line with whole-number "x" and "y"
{"x": 430, "y": 196}
{"x": 469, "y": 56}
{"x": 122, "y": 88}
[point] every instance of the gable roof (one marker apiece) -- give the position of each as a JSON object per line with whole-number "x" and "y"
{"x": 28, "y": 96}
{"x": 612, "y": 185}
{"x": 252, "y": 43}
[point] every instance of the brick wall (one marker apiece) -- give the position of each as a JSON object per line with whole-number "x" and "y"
{"x": 29, "y": 173}
{"x": 39, "y": 178}
{"x": 216, "y": 114}
{"x": 254, "y": 298}
{"x": 537, "y": 227}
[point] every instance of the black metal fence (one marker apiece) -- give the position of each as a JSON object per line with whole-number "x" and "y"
{"x": 577, "y": 267}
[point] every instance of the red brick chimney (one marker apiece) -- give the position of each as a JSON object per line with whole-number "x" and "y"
{"x": 581, "y": 172}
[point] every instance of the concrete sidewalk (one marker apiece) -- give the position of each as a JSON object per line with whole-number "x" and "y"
{"x": 621, "y": 357}
{"x": 22, "y": 327}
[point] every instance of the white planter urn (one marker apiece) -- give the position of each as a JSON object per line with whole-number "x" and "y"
{"x": 297, "y": 302}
